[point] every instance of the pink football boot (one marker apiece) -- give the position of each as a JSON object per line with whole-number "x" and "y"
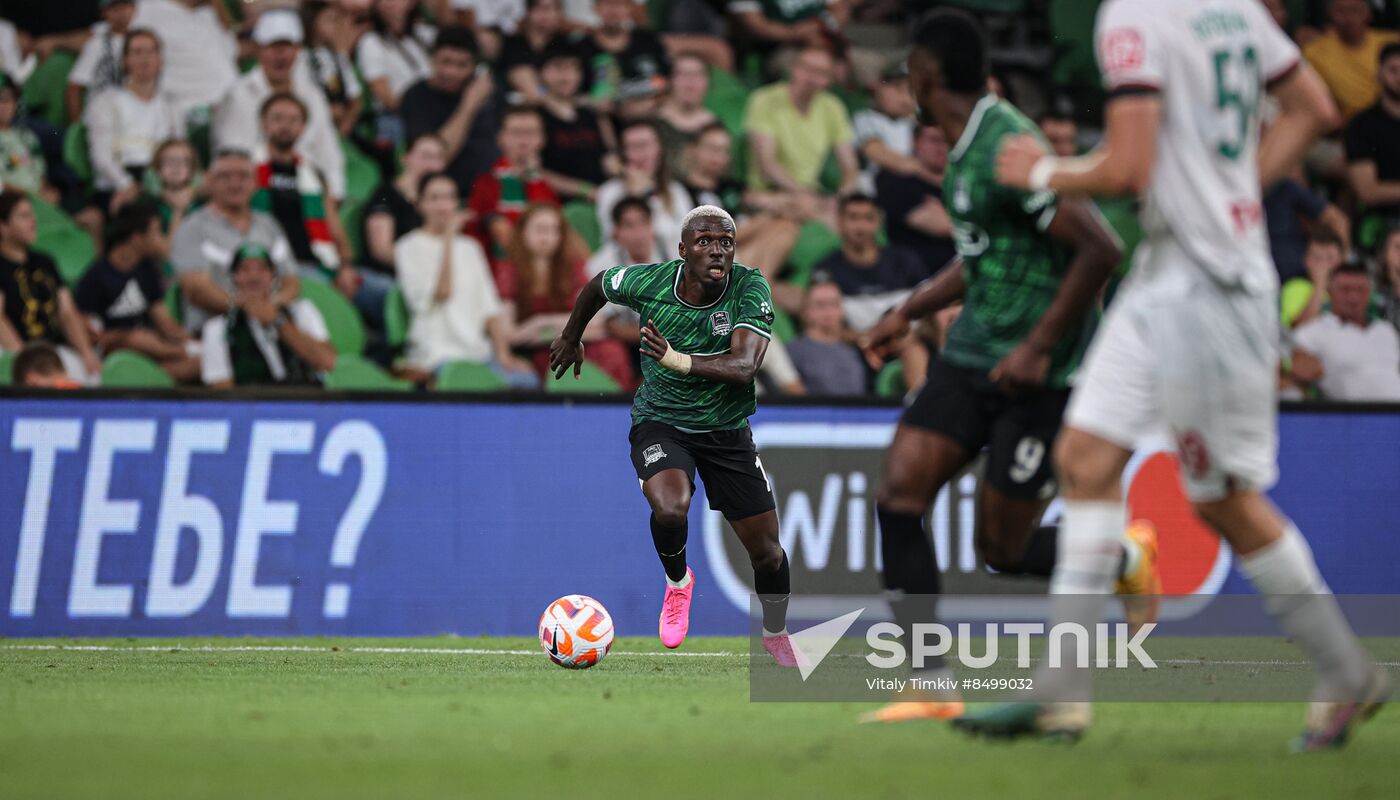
{"x": 675, "y": 612}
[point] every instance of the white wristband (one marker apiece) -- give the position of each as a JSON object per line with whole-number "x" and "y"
{"x": 674, "y": 361}
{"x": 1041, "y": 173}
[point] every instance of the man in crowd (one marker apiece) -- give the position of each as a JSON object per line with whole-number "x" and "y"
{"x": 121, "y": 294}
{"x": 39, "y": 366}
{"x": 633, "y": 242}
{"x": 912, "y": 203}
{"x": 455, "y": 102}
{"x": 873, "y": 279}
{"x": 260, "y": 340}
{"x": 499, "y": 196}
{"x": 627, "y": 65}
{"x": 203, "y": 248}
{"x": 1346, "y": 54}
{"x": 1373, "y": 144}
{"x": 1352, "y": 357}
{"x": 825, "y": 358}
{"x": 199, "y": 51}
{"x": 295, "y": 194}
{"x": 99, "y": 64}
{"x": 794, "y": 127}
{"x": 237, "y": 121}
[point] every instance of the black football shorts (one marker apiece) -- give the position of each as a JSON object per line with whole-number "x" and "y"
{"x": 727, "y": 461}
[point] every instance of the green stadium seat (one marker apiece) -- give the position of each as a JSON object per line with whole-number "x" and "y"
{"x": 342, "y": 320}
{"x": 889, "y": 381}
{"x": 396, "y": 319}
{"x": 728, "y": 98}
{"x": 175, "y": 302}
{"x": 127, "y": 369}
{"x": 353, "y": 373}
{"x": 468, "y": 376}
{"x": 45, "y": 88}
{"x": 783, "y": 326}
{"x": 583, "y": 218}
{"x": 76, "y": 153}
{"x": 361, "y": 173}
{"x": 591, "y": 380}
{"x": 352, "y": 212}
{"x": 814, "y": 242}
{"x": 7, "y": 364}
{"x": 61, "y": 239}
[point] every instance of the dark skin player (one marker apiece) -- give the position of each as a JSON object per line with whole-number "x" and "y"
{"x": 919, "y": 462}
{"x": 708, "y": 252}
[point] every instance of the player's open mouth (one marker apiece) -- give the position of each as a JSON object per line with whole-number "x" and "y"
{"x": 716, "y": 272}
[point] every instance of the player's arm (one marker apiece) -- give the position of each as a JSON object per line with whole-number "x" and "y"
{"x": 567, "y": 350}
{"x": 930, "y": 296}
{"x": 1121, "y": 165}
{"x": 1097, "y": 252}
{"x": 1306, "y": 111}
{"x": 739, "y": 365}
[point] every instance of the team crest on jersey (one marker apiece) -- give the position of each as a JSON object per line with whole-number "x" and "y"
{"x": 1121, "y": 50}
{"x": 652, "y": 454}
{"x": 720, "y": 325}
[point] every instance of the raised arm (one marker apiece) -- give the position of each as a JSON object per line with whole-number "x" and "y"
{"x": 739, "y": 365}
{"x": 567, "y": 350}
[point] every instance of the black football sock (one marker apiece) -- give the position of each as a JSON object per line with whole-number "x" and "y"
{"x": 1039, "y": 558}
{"x": 670, "y": 548}
{"x": 773, "y": 588}
{"x": 910, "y": 575}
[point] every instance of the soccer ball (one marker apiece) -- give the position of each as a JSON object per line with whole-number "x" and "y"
{"x": 576, "y": 631}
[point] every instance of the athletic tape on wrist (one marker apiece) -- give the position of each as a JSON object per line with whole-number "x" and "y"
{"x": 676, "y": 362}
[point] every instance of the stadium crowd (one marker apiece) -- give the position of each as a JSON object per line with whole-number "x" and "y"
{"x": 389, "y": 194}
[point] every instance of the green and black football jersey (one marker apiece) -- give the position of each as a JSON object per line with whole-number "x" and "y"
{"x": 1013, "y": 268}
{"x": 687, "y": 401}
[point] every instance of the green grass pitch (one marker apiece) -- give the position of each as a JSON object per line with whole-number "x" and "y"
{"x": 324, "y": 718}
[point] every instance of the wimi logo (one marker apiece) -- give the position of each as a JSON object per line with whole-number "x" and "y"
{"x": 977, "y": 647}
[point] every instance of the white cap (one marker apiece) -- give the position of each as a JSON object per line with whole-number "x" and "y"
{"x": 277, "y": 25}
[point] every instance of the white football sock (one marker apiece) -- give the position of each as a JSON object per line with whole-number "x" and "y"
{"x": 1297, "y": 596}
{"x": 680, "y": 584}
{"x": 1087, "y": 560}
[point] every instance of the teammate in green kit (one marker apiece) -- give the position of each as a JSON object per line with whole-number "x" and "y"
{"x": 707, "y": 326}
{"x": 1029, "y": 272}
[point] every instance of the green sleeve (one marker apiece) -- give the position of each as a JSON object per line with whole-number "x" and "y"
{"x": 756, "y": 306}
{"x": 621, "y": 284}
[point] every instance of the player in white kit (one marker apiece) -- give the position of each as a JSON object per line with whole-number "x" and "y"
{"x": 1191, "y": 343}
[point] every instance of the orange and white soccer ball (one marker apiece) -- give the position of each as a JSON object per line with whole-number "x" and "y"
{"x": 576, "y": 631}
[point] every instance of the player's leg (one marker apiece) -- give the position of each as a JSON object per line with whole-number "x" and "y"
{"x": 1112, "y": 405}
{"x": 664, "y": 468}
{"x": 1228, "y": 444}
{"x": 737, "y": 487}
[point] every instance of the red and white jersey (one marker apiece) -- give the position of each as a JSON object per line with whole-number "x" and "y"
{"x": 1210, "y": 61}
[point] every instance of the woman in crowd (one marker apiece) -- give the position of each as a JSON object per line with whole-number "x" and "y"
{"x": 330, "y": 46}
{"x": 682, "y": 115}
{"x": 126, "y": 124}
{"x": 393, "y": 56}
{"x": 522, "y": 52}
{"x": 646, "y": 175}
{"x": 580, "y": 148}
{"x": 538, "y": 284}
{"x": 456, "y": 313}
{"x": 393, "y": 208}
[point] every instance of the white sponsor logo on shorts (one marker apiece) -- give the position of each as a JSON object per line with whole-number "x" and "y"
{"x": 652, "y": 454}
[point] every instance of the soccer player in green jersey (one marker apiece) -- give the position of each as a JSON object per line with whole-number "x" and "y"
{"x": 708, "y": 323}
{"x": 1029, "y": 272}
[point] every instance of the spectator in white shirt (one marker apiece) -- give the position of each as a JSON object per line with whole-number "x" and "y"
{"x": 127, "y": 123}
{"x": 392, "y": 57}
{"x": 885, "y": 131}
{"x": 99, "y": 64}
{"x": 645, "y": 174}
{"x": 15, "y": 61}
{"x": 259, "y": 341}
{"x": 278, "y": 35}
{"x": 456, "y": 313}
{"x": 1348, "y": 355}
{"x": 199, "y": 52}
